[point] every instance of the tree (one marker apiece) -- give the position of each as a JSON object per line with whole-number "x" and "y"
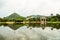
{"x": 57, "y": 17}
{"x": 51, "y": 14}
{"x": 1, "y": 19}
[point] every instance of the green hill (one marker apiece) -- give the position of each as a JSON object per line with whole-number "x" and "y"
{"x": 15, "y": 16}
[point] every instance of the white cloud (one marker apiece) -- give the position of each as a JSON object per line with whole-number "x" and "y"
{"x": 30, "y": 7}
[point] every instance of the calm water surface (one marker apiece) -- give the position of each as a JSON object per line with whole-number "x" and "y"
{"x": 30, "y": 32}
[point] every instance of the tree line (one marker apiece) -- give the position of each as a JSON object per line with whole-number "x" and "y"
{"x": 51, "y": 18}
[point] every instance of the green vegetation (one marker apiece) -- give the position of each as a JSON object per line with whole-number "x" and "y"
{"x": 53, "y": 19}
{"x": 15, "y": 21}
{"x": 14, "y": 17}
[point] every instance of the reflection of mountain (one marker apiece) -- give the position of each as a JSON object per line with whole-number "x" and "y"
{"x": 15, "y": 26}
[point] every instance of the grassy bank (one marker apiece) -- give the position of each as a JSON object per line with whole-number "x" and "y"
{"x": 54, "y": 22}
{"x": 7, "y": 22}
{"x": 28, "y": 22}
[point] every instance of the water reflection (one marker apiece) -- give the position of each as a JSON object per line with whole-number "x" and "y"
{"x": 43, "y": 26}
{"x": 57, "y": 26}
{"x": 36, "y": 25}
{"x": 1, "y": 37}
{"x": 30, "y": 32}
{"x": 31, "y": 25}
{"x": 13, "y": 26}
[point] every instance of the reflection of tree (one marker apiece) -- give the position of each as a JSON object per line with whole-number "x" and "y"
{"x": 4, "y": 24}
{"x": 57, "y": 26}
{"x": 32, "y": 25}
{"x": 35, "y": 25}
{"x": 0, "y": 24}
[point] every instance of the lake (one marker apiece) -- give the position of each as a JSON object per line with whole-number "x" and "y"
{"x": 29, "y": 32}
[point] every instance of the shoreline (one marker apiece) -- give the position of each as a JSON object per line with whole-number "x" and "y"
{"x": 27, "y": 22}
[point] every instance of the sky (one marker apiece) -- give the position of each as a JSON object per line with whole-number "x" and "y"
{"x": 29, "y": 7}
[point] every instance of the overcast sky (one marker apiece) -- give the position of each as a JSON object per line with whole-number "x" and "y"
{"x": 29, "y": 7}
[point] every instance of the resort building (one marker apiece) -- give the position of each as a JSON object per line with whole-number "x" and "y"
{"x": 42, "y": 19}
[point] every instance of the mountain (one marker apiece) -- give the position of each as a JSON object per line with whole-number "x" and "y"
{"x": 14, "y": 16}
{"x": 34, "y": 16}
